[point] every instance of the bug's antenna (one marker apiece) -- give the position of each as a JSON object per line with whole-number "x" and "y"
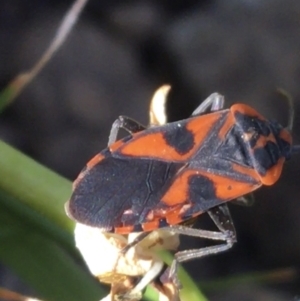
{"x": 288, "y": 97}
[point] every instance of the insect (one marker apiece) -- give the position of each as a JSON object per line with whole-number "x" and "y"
{"x": 164, "y": 176}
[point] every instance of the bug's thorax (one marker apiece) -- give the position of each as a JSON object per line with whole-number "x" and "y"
{"x": 266, "y": 143}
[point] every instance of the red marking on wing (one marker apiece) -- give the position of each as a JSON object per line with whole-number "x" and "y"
{"x": 226, "y": 126}
{"x": 228, "y": 189}
{"x": 246, "y": 171}
{"x": 174, "y": 217}
{"x": 177, "y": 194}
{"x": 115, "y": 146}
{"x": 200, "y": 126}
{"x": 149, "y": 226}
{"x": 171, "y": 215}
{"x": 152, "y": 143}
{"x": 95, "y": 160}
{"x": 124, "y": 230}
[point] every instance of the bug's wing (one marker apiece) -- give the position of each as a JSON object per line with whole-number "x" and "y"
{"x": 173, "y": 142}
{"x": 195, "y": 191}
{"x": 119, "y": 192}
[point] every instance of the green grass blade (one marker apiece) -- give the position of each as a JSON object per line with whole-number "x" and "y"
{"x": 40, "y": 259}
{"x": 35, "y": 235}
{"x": 34, "y": 185}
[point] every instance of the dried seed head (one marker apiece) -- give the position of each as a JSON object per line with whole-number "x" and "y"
{"x": 157, "y": 112}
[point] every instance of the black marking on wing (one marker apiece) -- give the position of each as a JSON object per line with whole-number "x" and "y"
{"x": 181, "y": 139}
{"x": 202, "y": 194}
{"x": 120, "y": 192}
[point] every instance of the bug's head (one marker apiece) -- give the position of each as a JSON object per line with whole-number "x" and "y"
{"x": 268, "y": 144}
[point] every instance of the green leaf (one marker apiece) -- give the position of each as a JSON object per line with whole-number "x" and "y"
{"x": 35, "y": 234}
{"x": 34, "y": 185}
{"x": 42, "y": 262}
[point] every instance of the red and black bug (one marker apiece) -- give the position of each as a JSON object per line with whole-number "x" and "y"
{"x": 163, "y": 176}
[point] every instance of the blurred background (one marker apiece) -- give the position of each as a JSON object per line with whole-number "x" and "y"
{"x": 118, "y": 54}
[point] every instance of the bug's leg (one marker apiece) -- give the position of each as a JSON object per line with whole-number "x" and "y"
{"x": 222, "y": 218}
{"x": 126, "y": 123}
{"x": 139, "y": 238}
{"x": 215, "y": 101}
